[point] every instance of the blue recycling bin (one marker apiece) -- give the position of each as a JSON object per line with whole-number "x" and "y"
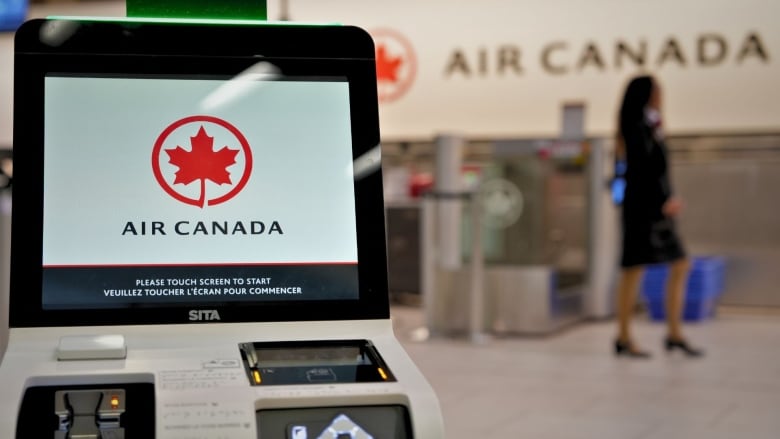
{"x": 704, "y": 286}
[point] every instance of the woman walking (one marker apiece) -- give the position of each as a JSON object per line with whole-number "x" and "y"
{"x": 649, "y": 210}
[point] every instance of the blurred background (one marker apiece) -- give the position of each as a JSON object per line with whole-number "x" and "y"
{"x": 498, "y": 122}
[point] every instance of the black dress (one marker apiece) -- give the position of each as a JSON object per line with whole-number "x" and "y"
{"x": 649, "y": 237}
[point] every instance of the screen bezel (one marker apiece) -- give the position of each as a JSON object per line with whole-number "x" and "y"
{"x": 133, "y": 49}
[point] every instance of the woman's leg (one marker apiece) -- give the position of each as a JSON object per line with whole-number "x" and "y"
{"x": 675, "y": 297}
{"x": 628, "y": 288}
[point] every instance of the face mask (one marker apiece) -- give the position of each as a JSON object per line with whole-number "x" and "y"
{"x": 653, "y": 119}
{"x": 652, "y": 116}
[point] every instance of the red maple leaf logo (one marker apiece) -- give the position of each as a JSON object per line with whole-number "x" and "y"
{"x": 202, "y": 163}
{"x": 386, "y": 65}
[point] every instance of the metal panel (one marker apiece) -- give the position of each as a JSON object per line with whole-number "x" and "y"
{"x": 729, "y": 185}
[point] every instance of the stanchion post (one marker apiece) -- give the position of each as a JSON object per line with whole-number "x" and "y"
{"x": 428, "y": 257}
{"x": 477, "y": 268}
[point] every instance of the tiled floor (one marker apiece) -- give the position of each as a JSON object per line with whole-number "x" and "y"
{"x": 569, "y": 385}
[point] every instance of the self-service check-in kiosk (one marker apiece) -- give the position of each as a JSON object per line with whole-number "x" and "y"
{"x": 198, "y": 237}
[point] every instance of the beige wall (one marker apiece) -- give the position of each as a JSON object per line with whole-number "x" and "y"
{"x": 728, "y": 95}
{"x": 467, "y": 39}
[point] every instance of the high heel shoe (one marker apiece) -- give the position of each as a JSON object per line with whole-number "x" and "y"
{"x": 623, "y": 348}
{"x": 682, "y": 345}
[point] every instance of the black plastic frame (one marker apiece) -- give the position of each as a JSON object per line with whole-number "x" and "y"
{"x": 130, "y": 48}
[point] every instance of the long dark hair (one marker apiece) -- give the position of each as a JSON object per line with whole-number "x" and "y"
{"x": 635, "y": 99}
{"x": 632, "y": 110}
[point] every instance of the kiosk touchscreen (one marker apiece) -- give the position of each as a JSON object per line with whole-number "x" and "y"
{"x": 198, "y": 245}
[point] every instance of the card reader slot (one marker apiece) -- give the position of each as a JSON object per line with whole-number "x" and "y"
{"x": 88, "y": 412}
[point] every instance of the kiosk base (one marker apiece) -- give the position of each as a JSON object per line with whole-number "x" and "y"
{"x": 126, "y": 411}
{"x": 176, "y": 384}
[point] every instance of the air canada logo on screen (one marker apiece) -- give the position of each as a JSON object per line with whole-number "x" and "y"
{"x": 396, "y": 64}
{"x": 202, "y": 160}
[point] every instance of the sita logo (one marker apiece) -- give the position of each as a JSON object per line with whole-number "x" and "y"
{"x": 396, "y": 64}
{"x": 185, "y": 153}
{"x": 199, "y": 315}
